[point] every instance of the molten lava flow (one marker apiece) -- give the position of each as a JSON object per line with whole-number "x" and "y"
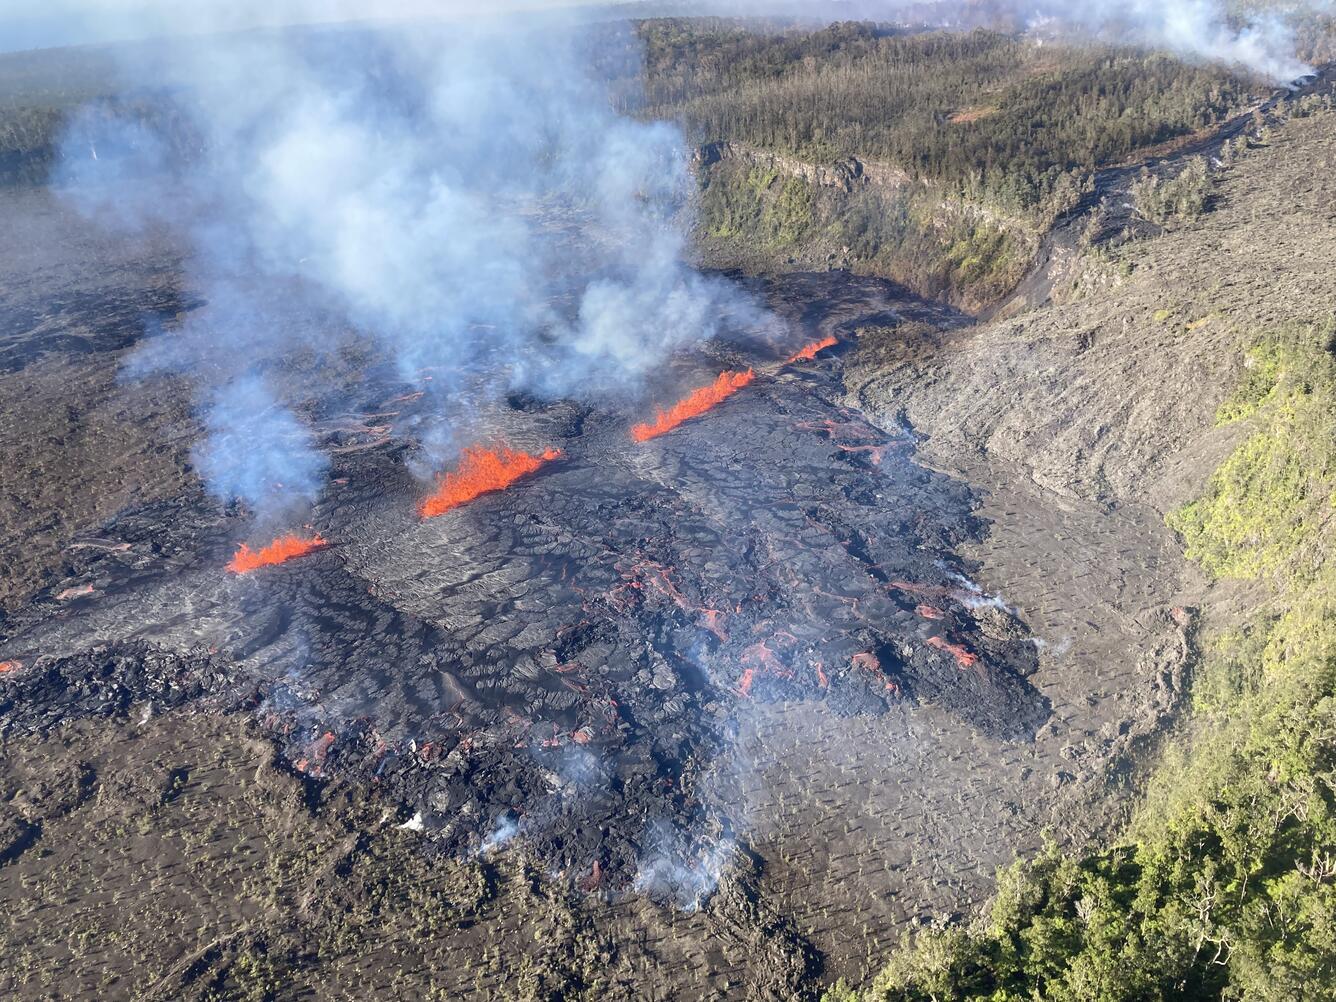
{"x": 693, "y": 404}
{"x": 963, "y": 655}
{"x": 8, "y": 666}
{"x": 745, "y": 682}
{"x": 482, "y": 471}
{"x": 869, "y": 661}
{"x": 714, "y": 622}
{"x": 280, "y": 550}
{"x": 313, "y": 764}
{"x": 808, "y": 353}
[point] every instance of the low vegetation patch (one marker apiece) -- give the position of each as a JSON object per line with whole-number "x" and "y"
{"x": 936, "y": 247}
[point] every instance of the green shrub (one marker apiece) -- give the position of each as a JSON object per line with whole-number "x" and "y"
{"x": 1181, "y": 199}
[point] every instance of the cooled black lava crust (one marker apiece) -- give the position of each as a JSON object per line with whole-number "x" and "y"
{"x": 563, "y": 658}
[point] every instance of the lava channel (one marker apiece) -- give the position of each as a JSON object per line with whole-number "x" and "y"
{"x": 808, "y": 353}
{"x": 280, "y": 551}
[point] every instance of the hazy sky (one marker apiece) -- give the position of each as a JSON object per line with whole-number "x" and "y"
{"x": 27, "y": 24}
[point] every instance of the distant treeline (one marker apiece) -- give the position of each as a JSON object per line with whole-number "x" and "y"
{"x": 993, "y": 117}
{"x": 56, "y": 103}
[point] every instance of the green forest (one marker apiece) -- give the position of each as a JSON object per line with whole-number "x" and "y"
{"x": 987, "y": 116}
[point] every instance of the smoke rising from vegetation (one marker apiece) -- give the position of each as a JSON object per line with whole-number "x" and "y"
{"x": 1262, "y": 41}
{"x": 464, "y": 197}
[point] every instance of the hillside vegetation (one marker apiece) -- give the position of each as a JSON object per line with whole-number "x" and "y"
{"x": 1226, "y": 883}
{"x": 1223, "y": 885}
{"x": 967, "y": 146}
{"x": 987, "y": 116}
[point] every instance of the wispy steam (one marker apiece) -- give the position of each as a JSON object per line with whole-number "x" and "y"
{"x": 680, "y": 869}
{"x": 464, "y": 198}
{"x": 256, "y": 448}
{"x": 1262, "y": 41}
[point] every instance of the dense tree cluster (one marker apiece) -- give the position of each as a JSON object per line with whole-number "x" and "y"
{"x": 992, "y": 117}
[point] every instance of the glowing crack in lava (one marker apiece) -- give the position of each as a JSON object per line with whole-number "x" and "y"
{"x": 963, "y": 655}
{"x": 281, "y": 550}
{"x": 482, "y": 471}
{"x": 695, "y": 403}
{"x": 809, "y": 352}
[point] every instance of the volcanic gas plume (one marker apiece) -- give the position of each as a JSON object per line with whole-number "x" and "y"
{"x": 481, "y": 471}
{"x": 808, "y": 353}
{"x": 279, "y": 551}
{"x": 695, "y": 403}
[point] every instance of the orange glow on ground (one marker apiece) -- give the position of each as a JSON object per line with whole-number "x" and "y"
{"x": 808, "y": 353}
{"x": 963, "y": 655}
{"x": 283, "y": 549}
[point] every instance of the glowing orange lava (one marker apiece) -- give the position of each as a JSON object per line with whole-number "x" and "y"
{"x": 280, "y": 550}
{"x": 482, "y": 471}
{"x": 8, "y": 666}
{"x": 745, "y": 683}
{"x": 693, "y": 404}
{"x": 963, "y": 655}
{"x": 808, "y": 353}
{"x": 313, "y": 764}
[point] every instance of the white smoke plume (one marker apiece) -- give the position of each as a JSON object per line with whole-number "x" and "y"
{"x": 402, "y": 183}
{"x": 461, "y": 195}
{"x": 1257, "y": 39}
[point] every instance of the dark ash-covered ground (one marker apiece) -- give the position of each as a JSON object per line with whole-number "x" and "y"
{"x": 620, "y": 595}
{"x": 562, "y": 660}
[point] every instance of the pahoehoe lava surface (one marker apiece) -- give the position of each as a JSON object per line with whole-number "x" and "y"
{"x": 563, "y": 658}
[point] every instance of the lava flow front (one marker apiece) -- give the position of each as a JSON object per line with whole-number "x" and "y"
{"x": 481, "y": 471}
{"x": 695, "y": 403}
{"x": 280, "y": 551}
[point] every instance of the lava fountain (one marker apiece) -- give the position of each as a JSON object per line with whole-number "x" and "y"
{"x": 280, "y": 551}
{"x": 482, "y": 471}
{"x": 809, "y": 352}
{"x": 695, "y": 403}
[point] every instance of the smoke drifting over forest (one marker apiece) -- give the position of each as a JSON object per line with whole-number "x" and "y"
{"x": 402, "y": 182}
{"x": 1262, "y": 41}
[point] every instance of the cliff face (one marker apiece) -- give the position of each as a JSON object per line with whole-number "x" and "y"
{"x": 766, "y": 212}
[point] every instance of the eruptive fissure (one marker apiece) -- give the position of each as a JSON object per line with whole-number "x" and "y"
{"x": 481, "y": 471}
{"x": 280, "y": 551}
{"x": 809, "y": 352}
{"x": 570, "y": 662}
{"x": 695, "y": 403}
